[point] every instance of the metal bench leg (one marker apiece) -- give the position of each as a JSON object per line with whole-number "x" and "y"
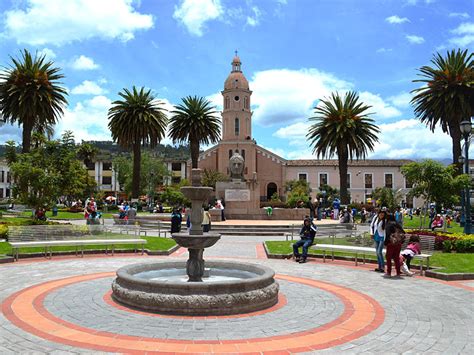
{"x": 143, "y": 249}
{"x": 421, "y": 267}
{"x": 324, "y": 256}
{"x": 357, "y": 261}
{"x": 113, "y": 249}
{"x": 363, "y": 258}
{"x": 427, "y": 263}
{"x": 82, "y": 251}
{"x": 332, "y": 255}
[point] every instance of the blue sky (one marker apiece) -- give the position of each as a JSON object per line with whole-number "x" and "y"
{"x": 293, "y": 53}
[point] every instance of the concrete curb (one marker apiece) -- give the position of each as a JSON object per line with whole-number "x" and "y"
{"x": 449, "y": 277}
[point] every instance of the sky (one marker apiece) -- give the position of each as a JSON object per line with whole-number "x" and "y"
{"x": 293, "y": 52}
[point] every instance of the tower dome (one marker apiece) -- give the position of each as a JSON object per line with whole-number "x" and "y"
{"x": 236, "y": 79}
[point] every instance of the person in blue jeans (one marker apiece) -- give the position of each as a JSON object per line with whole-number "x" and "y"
{"x": 307, "y": 234}
{"x": 377, "y": 231}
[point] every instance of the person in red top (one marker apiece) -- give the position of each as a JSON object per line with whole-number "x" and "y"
{"x": 413, "y": 248}
{"x": 394, "y": 238}
{"x": 437, "y": 222}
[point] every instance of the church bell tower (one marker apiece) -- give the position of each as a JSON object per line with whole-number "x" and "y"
{"x": 236, "y": 116}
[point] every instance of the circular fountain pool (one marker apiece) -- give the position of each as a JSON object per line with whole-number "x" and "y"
{"x": 227, "y": 288}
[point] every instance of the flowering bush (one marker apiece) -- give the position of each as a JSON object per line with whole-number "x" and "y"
{"x": 458, "y": 242}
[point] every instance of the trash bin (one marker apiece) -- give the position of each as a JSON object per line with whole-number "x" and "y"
{"x": 55, "y": 211}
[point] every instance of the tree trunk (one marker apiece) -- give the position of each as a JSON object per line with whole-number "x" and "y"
{"x": 194, "y": 146}
{"x": 342, "y": 156}
{"x": 137, "y": 155}
{"x": 455, "y": 133}
{"x": 26, "y": 144}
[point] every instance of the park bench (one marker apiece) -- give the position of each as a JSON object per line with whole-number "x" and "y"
{"x": 326, "y": 230}
{"x": 48, "y": 236}
{"x": 139, "y": 226}
{"x": 152, "y": 226}
{"x": 362, "y": 251}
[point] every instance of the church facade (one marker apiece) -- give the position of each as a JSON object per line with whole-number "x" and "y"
{"x": 268, "y": 172}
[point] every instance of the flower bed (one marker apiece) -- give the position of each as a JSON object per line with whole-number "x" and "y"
{"x": 458, "y": 242}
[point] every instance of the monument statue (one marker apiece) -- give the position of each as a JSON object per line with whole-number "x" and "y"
{"x": 236, "y": 166}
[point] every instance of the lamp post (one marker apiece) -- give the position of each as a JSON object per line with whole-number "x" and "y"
{"x": 466, "y": 129}
{"x": 462, "y": 220}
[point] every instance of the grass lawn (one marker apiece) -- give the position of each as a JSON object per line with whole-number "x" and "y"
{"x": 415, "y": 224}
{"x": 152, "y": 244}
{"x": 450, "y": 263}
{"x": 65, "y": 215}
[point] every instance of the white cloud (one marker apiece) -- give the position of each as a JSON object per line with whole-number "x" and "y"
{"x": 463, "y": 15}
{"x": 380, "y": 108}
{"x": 255, "y": 20}
{"x": 401, "y": 100}
{"x": 384, "y": 50}
{"x": 84, "y": 63}
{"x": 88, "y": 87}
{"x": 465, "y": 32}
{"x": 410, "y": 138}
{"x": 415, "y": 39}
{"x": 394, "y": 19}
{"x": 48, "y": 53}
{"x": 284, "y": 95}
{"x": 59, "y": 22}
{"x": 194, "y": 14}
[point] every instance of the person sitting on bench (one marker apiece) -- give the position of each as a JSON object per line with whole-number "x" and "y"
{"x": 307, "y": 234}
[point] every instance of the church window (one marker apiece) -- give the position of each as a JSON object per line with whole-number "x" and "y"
{"x": 237, "y": 126}
{"x": 237, "y": 98}
{"x": 243, "y": 153}
{"x": 227, "y": 102}
{"x": 230, "y": 153}
{"x": 246, "y": 102}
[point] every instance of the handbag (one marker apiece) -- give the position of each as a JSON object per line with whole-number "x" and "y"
{"x": 397, "y": 237}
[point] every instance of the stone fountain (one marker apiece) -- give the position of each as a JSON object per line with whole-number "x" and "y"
{"x": 173, "y": 287}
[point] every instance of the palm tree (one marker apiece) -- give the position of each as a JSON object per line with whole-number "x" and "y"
{"x": 137, "y": 119}
{"x": 194, "y": 121}
{"x": 87, "y": 153}
{"x": 30, "y": 94}
{"x": 342, "y": 126}
{"x": 447, "y": 98}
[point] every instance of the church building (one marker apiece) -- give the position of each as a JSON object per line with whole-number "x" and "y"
{"x": 265, "y": 173}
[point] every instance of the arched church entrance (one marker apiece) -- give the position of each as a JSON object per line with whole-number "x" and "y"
{"x": 271, "y": 189}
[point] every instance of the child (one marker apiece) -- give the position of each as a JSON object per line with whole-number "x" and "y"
{"x": 413, "y": 248}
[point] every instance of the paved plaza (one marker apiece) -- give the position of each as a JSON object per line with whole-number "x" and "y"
{"x": 64, "y": 305}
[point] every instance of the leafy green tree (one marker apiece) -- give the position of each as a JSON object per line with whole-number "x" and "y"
{"x": 174, "y": 197}
{"x": 447, "y": 96}
{"x": 330, "y": 194}
{"x": 435, "y": 183}
{"x": 298, "y": 192}
{"x": 342, "y": 126}
{"x": 211, "y": 177}
{"x": 152, "y": 173}
{"x": 387, "y": 197}
{"x": 137, "y": 119}
{"x": 31, "y": 95}
{"x": 194, "y": 121}
{"x": 49, "y": 171}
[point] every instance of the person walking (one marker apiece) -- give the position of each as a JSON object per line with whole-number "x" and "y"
{"x": 206, "y": 220}
{"x": 377, "y": 231}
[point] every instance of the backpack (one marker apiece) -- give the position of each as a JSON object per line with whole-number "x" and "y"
{"x": 397, "y": 237}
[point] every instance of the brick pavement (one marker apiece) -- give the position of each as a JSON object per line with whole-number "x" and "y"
{"x": 420, "y": 315}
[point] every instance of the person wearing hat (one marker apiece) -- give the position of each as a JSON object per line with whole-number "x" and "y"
{"x": 377, "y": 232}
{"x": 307, "y": 234}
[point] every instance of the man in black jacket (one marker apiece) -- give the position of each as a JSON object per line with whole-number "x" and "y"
{"x": 307, "y": 234}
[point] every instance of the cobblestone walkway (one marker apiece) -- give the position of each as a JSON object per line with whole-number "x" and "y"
{"x": 71, "y": 297}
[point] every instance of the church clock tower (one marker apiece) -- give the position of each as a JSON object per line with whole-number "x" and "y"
{"x": 236, "y": 116}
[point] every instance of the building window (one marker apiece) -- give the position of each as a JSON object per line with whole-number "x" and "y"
{"x": 107, "y": 166}
{"x": 243, "y": 153}
{"x": 237, "y": 126}
{"x": 303, "y": 176}
{"x": 9, "y": 176}
{"x": 389, "y": 181}
{"x": 323, "y": 179}
{"x": 7, "y": 192}
{"x": 368, "y": 181}
{"x": 2, "y": 176}
{"x": 176, "y": 179}
{"x": 349, "y": 181}
{"x": 227, "y": 102}
{"x": 408, "y": 184}
{"x": 230, "y": 153}
{"x": 106, "y": 180}
{"x": 90, "y": 165}
{"x": 175, "y": 166}
{"x": 1, "y": 193}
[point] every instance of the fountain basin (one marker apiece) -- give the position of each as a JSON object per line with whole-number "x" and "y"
{"x": 196, "y": 241}
{"x": 232, "y": 288}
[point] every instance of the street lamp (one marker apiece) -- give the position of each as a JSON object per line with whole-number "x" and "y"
{"x": 466, "y": 129}
{"x": 462, "y": 220}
